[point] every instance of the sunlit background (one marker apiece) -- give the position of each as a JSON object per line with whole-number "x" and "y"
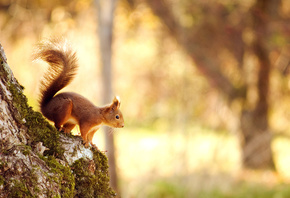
{"x": 182, "y": 136}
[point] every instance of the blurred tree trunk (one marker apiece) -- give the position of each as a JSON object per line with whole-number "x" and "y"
{"x": 256, "y": 145}
{"x": 204, "y": 41}
{"x": 105, "y": 19}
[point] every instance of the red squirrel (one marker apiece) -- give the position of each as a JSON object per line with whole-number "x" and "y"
{"x": 69, "y": 109}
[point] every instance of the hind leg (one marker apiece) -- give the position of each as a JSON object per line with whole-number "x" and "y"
{"x": 62, "y": 113}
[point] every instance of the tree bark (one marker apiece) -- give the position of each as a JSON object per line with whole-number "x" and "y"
{"x": 105, "y": 19}
{"x": 38, "y": 161}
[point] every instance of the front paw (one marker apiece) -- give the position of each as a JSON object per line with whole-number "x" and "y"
{"x": 95, "y": 146}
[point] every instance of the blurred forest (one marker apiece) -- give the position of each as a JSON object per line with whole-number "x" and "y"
{"x": 204, "y": 86}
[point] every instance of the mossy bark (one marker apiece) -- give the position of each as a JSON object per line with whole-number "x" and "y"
{"x": 38, "y": 161}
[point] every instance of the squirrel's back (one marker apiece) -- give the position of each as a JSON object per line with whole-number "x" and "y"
{"x": 63, "y": 65}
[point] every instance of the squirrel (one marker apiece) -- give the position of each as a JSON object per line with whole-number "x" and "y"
{"x": 68, "y": 109}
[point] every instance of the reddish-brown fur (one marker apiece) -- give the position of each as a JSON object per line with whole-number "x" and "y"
{"x": 69, "y": 109}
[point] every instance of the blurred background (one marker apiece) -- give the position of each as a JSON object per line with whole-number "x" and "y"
{"x": 204, "y": 85}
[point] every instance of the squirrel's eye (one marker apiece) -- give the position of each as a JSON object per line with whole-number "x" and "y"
{"x": 117, "y": 116}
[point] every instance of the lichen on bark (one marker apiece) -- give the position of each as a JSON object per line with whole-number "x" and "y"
{"x": 38, "y": 161}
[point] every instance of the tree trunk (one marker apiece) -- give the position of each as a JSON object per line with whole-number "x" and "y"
{"x": 38, "y": 161}
{"x": 256, "y": 146}
{"x": 105, "y": 19}
{"x": 256, "y": 141}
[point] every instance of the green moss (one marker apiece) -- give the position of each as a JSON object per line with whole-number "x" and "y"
{"x": 19, "y": 189}
{"x": 92, "y": 178}
{"x": 65, "y": 177}
{"x": 2, "y": 180}
{"x": 26, "y": 150}
{"x": 38, "y": 128}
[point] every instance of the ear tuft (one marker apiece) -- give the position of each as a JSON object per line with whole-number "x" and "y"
{"x": 116, "y": 102}
{"x": 117, "y": 98}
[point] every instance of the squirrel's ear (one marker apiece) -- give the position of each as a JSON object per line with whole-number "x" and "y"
{"x": 116, "y": 103}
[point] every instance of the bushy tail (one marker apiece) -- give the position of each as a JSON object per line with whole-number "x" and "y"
{"x": 62, "y": 67}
